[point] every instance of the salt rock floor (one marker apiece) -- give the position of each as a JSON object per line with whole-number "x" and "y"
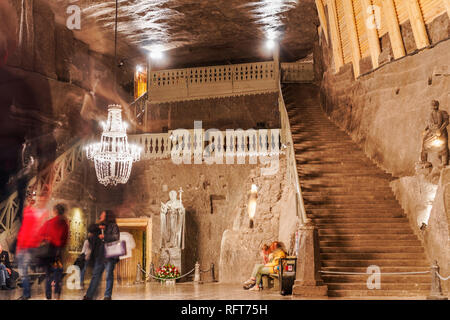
{"x": 181, "y": 291}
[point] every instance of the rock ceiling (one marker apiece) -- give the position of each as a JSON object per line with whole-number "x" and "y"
{"x": 199, "y": 32}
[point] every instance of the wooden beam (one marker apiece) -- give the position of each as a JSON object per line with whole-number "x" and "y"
{"x": 322, "y": 18}
{"x": 352, "y": 33}
{"x": 417, "y": 24}
{"x": 335, "y": 35}
{"x": 372, "y": 33}
{"x": 391, "y": 20}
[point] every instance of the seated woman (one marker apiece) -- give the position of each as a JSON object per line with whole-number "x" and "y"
{"x": 5, "y": 269}
{"x": 272, "y": 266}
{"x": 265, "y": 252}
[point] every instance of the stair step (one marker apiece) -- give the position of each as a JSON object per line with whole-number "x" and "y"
{"x": 367, "y": 236}
{"x": 346, "y": 210}
{"x": 378, "y": 262}
{"x": 377, "y": 293}
{"x": 365, "y": 219}
{"x": 394, "y": 226}
{"x": 372, "y": 249}
{"x": 385, "y": 278}
{"x": 384, "y": 286}
{"x": 364, "y": 231}
{"x": 384, "y": 269}
{"x": 382, "y": 207}
{"x": 351, "y": 198}
{"x": 370, "y": 243}
{"x": 383, "y": 255}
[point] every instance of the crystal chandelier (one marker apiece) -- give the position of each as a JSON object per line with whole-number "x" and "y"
{"x": 113, "y": 156}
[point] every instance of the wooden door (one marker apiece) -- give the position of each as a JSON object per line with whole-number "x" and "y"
{"x": 126, "y": 269}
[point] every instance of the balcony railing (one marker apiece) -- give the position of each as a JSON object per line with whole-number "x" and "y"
{"x": 235, "y": 143}
{"x": 297, "y": 72}
{"x": 214, "y": 81}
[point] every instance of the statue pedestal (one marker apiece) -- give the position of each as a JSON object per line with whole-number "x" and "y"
{"x": 309, "y": 282}
{"x": 172, "y": 256}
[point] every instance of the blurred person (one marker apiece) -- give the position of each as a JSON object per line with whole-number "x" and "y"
{"x": 108, "y": 231}
{"x": 56, "y": 233}
{"x": 26, "y": 124}
{"x": 265, "y": 251}
{"x": 86, "y": 252}
{"x": 28, "y": 239}
{"x": 5, "y": 269}
{"x": 272, "y": 266}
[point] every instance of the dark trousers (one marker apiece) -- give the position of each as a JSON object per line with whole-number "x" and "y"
{"x": 97, "y": 272}
{"x": 53, "y": 276}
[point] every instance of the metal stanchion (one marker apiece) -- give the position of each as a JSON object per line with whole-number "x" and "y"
{"x": 213, "y": 277}
{"x": 436, "y": 290}
{"x": 139, "y": 274}
{"x": 152, "y": 271}
{"x": 197, "y": 273}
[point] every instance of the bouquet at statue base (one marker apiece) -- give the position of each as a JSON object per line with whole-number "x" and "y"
{"x": 167, "y": 272}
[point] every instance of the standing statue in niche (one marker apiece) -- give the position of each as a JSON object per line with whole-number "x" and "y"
{"x": 173, "y": 222}
{"x": 435, "y": 136}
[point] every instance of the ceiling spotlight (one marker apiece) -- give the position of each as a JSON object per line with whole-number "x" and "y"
{"x": 270, "y": 44}
{"x": 156, "y": 54}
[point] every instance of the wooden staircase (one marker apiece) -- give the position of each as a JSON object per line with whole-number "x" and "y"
{"x": 349, "y": 199}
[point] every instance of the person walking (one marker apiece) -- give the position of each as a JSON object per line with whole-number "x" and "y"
{"x": 56, "y": 233}
{"x": 28, "y": 240}
{"x": 88, "y": 245}
{"x": 109, "y": 232}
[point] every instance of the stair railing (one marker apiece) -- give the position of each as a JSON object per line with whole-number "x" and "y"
{"x": 138, "y": 106}
{"x": 43, "y": 184}
{"x": 291, "y": 162}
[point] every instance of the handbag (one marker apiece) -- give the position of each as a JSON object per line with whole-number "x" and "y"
{"x": 115, "y": 249}
{"x": 45, "y": 251}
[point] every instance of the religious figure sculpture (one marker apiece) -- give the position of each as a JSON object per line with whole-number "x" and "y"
{"x": 173, "y": 222}
{"x": 435, "y": 136}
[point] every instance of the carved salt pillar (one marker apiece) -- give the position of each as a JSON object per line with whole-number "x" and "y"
{"x": 308, "y": 281}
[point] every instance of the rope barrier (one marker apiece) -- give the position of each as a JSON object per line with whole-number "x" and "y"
{"x": 441, "y": 277}
{"x": 381, "y": 273}
{"x": 157, "y": 278}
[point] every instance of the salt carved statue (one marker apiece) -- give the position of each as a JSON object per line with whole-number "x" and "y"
{"x": 435, "y": 136}
{"x": 173, "y": 222}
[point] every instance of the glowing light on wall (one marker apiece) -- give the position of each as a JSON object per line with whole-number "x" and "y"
{"x": 77, "y": 225}
{"x": 252, "y": 203}
{"x": 437, "y": 142}
{"x": 422, "y": 219}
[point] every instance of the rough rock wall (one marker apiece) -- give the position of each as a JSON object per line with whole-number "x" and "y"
{"x": 221, "y": 113}
{"x": 385, "y": 110}
{"x": 428, "y": 203}
{"x": 215, "y": 198}
{"x": 275, "y": 219}
{"x": 61, "y": 71}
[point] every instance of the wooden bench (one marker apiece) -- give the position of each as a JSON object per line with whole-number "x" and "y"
{"x": 270, "y": 281}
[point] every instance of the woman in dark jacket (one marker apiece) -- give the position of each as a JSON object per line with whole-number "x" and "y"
{"x": 108, "y": 232}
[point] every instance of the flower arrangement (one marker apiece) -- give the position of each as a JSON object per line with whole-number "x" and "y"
{"x": 168, "y": 271}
